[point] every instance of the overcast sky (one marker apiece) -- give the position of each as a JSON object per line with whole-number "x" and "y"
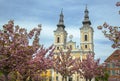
{"x": 30, "y": 13}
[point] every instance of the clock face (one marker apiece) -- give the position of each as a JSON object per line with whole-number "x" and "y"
{"x": 71, "y": 37}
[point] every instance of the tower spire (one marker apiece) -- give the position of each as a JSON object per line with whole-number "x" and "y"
{"x": 86, "y": 17}
{"x": 61, "y": 20}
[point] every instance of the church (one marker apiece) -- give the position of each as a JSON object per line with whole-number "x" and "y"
{"x": 86, "y": 37}
{"x": 86, "y": 43}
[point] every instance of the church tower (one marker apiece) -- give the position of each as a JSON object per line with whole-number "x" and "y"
{"x": 86, "y": 34}
{"x": 60, "y": 34}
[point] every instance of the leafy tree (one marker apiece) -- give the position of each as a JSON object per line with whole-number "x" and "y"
{"x": 88, "y": 67}
{"x": 65, "y": 64}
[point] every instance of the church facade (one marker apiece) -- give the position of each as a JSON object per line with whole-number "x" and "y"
{"x": 86, "y": 43}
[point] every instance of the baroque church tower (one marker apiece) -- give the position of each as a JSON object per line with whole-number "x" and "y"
{"x": 60, "y": 34}
{"x": 86, "y": 43}
{"x": 86, "y": 34}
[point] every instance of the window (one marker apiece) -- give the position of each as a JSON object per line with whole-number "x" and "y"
{"x": 108, "y": 71}
{"x": 117, "y": 72}
{"x": 85, "y": 46}
{"x": 56, "y": 78}
{"x": 86, "y": 38}
{"x": 70, "y": 46}
{"x": 116, "y": 55}
{"x": 50, "y": 79}
{"x": 108, "y": 65}
{"x": 57, "y": 48}
{"x": 113, "y": 72}
{"x": 113, "y": 65}
{"x": 58, "y": 39}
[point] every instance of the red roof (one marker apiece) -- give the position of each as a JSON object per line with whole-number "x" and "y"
{"x": 114, "y": 56}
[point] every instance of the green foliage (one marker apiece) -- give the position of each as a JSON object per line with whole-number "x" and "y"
{"x": 1, "y": 73}
{"x": 102, "y": 78}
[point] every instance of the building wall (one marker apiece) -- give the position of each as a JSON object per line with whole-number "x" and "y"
{"x": 113, "y": 65}
{"x": 114, "y": 71}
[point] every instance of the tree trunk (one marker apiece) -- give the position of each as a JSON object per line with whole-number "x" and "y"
{"x": 90, "y": 79}
{"x": 24, "y": 78}
{"x": 30, "y": 79}
{"x": 86, "y": 79}
{"x": 65, "y": 78}
{"x": 6, "y": 76}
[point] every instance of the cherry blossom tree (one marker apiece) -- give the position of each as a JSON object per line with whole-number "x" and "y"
{"x": 88, "y": 67}
{"x": 42, "y": 60}
{"x": 118, "y": 4}
{"x": 21, "y": 52}
{"x": 15, "y": 48}
{"x": 112, "y": 32}
{"x": 65, "y": 64}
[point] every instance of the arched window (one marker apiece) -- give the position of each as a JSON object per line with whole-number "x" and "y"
{"x": 86, "y": 37}
{"x": 57, "y": 48}
{"x": 85, "y": 46}
{"x": 58, "y": 39}
{"x": 56, "y": 78}
{"x": 70, "y": 46}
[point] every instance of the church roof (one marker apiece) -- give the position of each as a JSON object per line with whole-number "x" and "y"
{"x": 61, "y": 21}
{"x": 71, "y": 41}
{"x": 86, "y": 17}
